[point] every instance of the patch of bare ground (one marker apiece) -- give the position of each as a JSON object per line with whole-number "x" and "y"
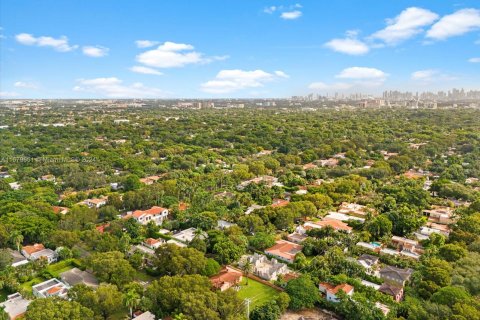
{"x": 310, "y": 314}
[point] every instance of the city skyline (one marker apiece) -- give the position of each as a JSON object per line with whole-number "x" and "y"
{"x": 87, "y": 50}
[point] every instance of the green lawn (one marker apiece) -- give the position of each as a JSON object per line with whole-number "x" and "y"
{"x": 257, "y": 292}
{"x": 3, "y": 295}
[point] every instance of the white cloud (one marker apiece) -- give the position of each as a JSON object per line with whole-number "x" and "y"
{"x": 95, "y": 51}
{"x": 474, "y": 60}
{"x": 423, "y": 74}
{"x": 228, "y": 81}
{"x": 348, "y": 45}
{"x": 114, "y": 88}
{"x": 281, "y": 74}
{"x": 8, "y": 94}
{"x": 291, "y": 15}
{"x": 270, "y": 9}
{"x": 404, "y": 26}
{"x": 26, "y": 85}
{"x": 457, "y": 23}
{"x": 333, "y": 86}
{"x": 171, "y": 55}
{"x": 145, "y": 70}
{"x": 60, "y": 44}
{"x": 145, "y": 43}
{"x": 360, "y": 73}
{"x": 354, "y": 77}
{"x": 430, "y": 75}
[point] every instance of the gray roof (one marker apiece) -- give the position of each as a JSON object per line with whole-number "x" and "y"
{"x": 77, "y": 276}
{"x": 17, "y": 256}
{"x": 368, "y": 259}
{"x": 390, "y": 289}
{"x": 15, "y": 305}
{"x": 396, "y": 273}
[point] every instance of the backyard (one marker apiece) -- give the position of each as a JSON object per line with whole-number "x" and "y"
{"x": 258, "y": 292}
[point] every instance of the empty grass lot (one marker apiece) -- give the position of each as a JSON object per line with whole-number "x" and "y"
{"x": 257, "y": 292}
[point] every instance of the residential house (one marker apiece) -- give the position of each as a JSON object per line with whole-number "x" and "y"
{"x": 253, "y": 207}
{"x": 268, "y": 269}
{"x": 395, "y": 275}
{"x": 15, "y": 185}
{"x": 155, "y": 214}
{"x": 297, "y": 237}
{"x": 356, "y": 210}
{"x": 149, "y": 180}
{"x": 188, "y": 235}
{"x": 17, "y": 258}
{"x": 38, "y": 251}
{"x": 440, "y": 215}
{"x": 223, "y": 224}
{"x": 4, "y": 174}
{"x": 76, "y": 276}
{"x": 277, "y": 203}
{"x": 407, "y": 247}
{"x": 48, "y": 177}
{"x": 368, "y": 262}
{"x": 331, "y": 162}
{"x": 284, "y": 250}
{"x": 331, "y": 291}
{"x": 226, "y": 278}
{"x": 147, "y": 315}
{"x": 60, "y": 210}
{"x": 269, "y": 181}
{"x": 153, "y": 243}
{"x": 95, "y": 203}
{"x": 335, "y": 224}
{"x": 395, "y": 291}
{"x": 50, "y": 288}
{"x": 15, "y": 306}
{"x": 373, "y": 246}
{"x": 342, "y": 217}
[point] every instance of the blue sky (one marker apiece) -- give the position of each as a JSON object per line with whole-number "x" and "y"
{"x": 235, "y": 48}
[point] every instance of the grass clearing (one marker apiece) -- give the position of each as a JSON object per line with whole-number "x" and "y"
{"x": 257, "y": 292}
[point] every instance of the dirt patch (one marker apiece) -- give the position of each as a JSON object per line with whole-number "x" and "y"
{"x": 313, "y": 314}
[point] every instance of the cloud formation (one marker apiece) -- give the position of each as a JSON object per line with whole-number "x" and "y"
{"x": 227, "y": 81}
{"x": 349, "y": 45}
{"x": 353, "y": 77}
{"x": 60, "y": 44}
{"x": 362, "y": 73}
{"x": 407, "y": 24}
{"x": 291, "y": 15}
{"x": 95, "y": 51}
{"x": 286, "y": 12}
{"x": 145, "y": 70}
{"x": 113, "y": 87}
{"x": 430, "y": 75}
{"x": 455, "y": 24}
{"x": 145, "y": 43}
{"x": 26, "y": 85}
{"x": 174, "y": 55}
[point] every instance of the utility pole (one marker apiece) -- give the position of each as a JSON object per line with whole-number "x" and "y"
{"x": 248, "y": 301}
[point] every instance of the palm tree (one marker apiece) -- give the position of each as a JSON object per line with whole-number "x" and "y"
{"x": 132, "y": 299}
{"x": 247, "y": 269}
{"x": 17, "y": 238}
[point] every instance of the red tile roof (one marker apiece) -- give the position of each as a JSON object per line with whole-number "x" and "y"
{"x": 284, "y": 249}
{"x": 33, "y": 248}
{"x": 334, "y": 289}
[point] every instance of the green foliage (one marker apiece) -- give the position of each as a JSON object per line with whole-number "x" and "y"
{"x": 56, "y": 308}
{"x": 303, "y": 293}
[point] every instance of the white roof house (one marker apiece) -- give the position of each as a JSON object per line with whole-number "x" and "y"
{"x": 15, "y": 305}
